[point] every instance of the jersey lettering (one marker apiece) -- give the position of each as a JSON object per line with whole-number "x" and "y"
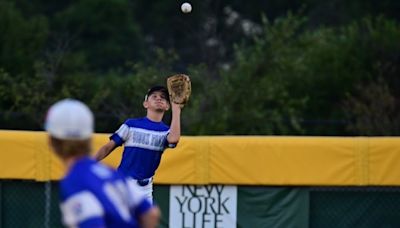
{"x": 147, "y": 139}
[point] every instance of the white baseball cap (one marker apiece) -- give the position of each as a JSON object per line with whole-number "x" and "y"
{"x": 69, "y": 119}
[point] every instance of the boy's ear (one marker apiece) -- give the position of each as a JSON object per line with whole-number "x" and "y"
{"x": 145, "y": 104}
{"x": 168, "y": 106}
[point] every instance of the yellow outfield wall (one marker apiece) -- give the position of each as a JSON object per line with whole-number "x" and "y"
{"x": 238, "y": 160}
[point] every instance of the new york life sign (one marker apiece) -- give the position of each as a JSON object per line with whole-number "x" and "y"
{"x": 206, "y": 206}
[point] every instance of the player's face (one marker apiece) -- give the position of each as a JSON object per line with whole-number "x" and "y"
{"x": 158, "y": 101}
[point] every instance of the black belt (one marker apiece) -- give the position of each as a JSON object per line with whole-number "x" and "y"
{"x": 144, "y": 182}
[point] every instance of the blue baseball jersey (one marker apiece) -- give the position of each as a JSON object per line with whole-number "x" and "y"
{"x": 94, "y": 195}
{"x": 144, "y": 142}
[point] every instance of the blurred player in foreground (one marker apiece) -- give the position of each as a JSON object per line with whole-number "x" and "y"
{"x": 145, "y": 139}
{"x": 92, "y": 195}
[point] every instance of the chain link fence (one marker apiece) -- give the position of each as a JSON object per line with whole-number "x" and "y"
{"x": 32, "y": 204}
{"x": 361, "y": 207}
{"x": 29, "y": 204}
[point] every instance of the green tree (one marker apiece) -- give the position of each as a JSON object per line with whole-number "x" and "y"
{"x": 103, "y": 32}
{"x": 252, "y": 96}
{"x": 374, "y": 110}
{"x": 374, "y": 105}
{"x": 21, "y": 40}
{"x": 292, "y": 80}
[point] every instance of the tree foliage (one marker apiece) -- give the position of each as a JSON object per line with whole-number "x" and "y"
{"x": 303, "y": 73}
{"x": 295, "y": 81}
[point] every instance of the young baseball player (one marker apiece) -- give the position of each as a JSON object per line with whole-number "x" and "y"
{"x": 145, "y": 139}
{"x": 92, "y": 195}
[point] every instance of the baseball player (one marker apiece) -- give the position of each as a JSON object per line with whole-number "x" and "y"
{"x": 92, "y": 195}
{"x": 145, "y": 139}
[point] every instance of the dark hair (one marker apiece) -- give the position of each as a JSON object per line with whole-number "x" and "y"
{"x": 158, "y": 88}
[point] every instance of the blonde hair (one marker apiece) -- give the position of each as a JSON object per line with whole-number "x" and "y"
{"x": 71, "y": 148}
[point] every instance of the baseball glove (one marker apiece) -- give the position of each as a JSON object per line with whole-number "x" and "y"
{"x": 179, "y": 89}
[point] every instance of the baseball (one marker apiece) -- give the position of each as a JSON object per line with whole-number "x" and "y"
{"x": 186, "y": 7}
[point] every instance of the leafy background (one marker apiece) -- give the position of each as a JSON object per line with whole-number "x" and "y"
{"x": 258, "y": 68}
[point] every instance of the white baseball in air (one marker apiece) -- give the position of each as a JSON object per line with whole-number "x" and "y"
{"x": 186, "y": 7}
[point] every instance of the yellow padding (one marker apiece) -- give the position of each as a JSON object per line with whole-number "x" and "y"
{"x": 247, "y": 160}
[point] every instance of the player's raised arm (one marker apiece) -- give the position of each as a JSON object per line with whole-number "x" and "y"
{"x": 179, "y": 89}
{"x": 175, "y": 128}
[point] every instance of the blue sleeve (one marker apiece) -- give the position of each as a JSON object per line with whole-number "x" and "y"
{"x": 93, "y": 223}
{"x": 122, "y": 134}
{"x": 118, "y": 140}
